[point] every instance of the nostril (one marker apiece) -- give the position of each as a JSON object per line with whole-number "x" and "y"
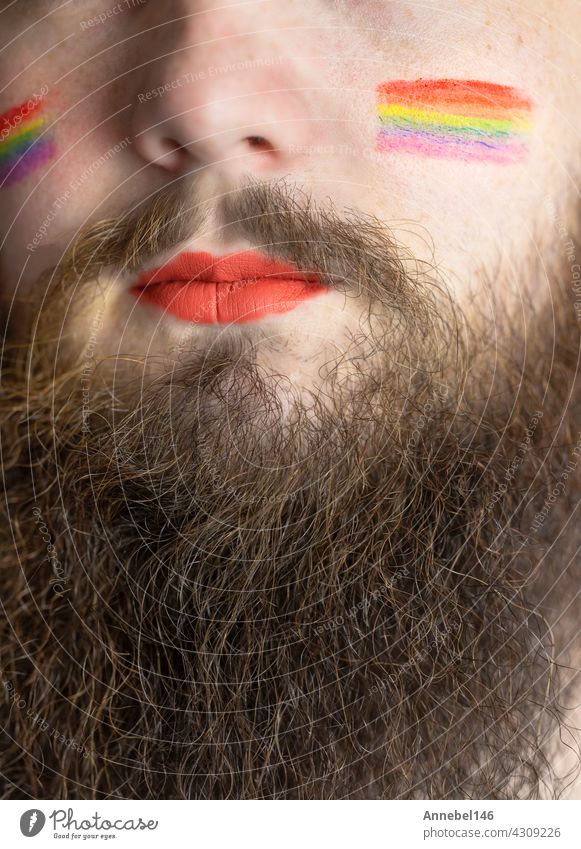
{"x": 260, "y": 144}
{"x": 171, "y": 154}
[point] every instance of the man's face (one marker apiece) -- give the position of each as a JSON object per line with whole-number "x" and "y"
{"x": 136, "y": 95}
{"x": 292, "y": 303}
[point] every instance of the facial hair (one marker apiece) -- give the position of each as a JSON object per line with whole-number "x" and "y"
{"x": 348, "y": 601}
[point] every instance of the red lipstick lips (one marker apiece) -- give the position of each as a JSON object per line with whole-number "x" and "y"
{"x": 241, "y": 287}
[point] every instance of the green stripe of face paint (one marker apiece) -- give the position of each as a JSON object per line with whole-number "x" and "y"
{"x": 420, "y": 118}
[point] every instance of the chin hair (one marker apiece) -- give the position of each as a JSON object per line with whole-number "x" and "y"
{"x": 206, "y": 597}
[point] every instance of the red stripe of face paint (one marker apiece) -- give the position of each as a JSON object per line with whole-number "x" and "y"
{"x": 458, "y": 92}
{"x": 236, "y": 288}
{"x": 17, "y": 115}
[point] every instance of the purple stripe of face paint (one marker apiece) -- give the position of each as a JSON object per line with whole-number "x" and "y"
{"x": 443, "y": 148}
{"x": 25, "y": 162}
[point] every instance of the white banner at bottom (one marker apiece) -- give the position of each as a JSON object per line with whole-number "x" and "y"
{"x": 292, "y": 825}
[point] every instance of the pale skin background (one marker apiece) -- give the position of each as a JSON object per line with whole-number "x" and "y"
{"x": 308, "y": 89}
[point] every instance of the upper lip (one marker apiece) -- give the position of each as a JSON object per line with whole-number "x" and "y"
{"x": 202, "y": 266}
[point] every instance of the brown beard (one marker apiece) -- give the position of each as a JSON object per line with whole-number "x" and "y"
{"x": 350, "y": 604}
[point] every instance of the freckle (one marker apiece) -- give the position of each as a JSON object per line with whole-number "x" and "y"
{"x": 520, "y": 39}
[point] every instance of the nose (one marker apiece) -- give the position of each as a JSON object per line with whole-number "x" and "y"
{"x": 223, "y": 94}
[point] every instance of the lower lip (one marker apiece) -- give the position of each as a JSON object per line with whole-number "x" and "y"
{"x": 232, "y": 301}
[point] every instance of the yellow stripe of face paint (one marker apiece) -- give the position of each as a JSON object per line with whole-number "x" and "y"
{"x": 517, "y": 123}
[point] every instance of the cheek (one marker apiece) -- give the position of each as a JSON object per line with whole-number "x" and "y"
{"x": 65, "y": 163}
{"x": 61, "y": 142}
{"x": 446, "y": 163}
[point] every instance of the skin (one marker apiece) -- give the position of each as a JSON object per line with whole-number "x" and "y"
{"x": 307, "y": 91}
{"x": 314, "y": 113}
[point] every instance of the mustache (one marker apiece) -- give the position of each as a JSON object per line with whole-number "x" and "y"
{"x": 354, "y": 253}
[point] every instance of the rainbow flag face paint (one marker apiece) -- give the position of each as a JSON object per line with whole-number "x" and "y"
{"x": 25, "y": 144}
{"x": 454, "y": 119}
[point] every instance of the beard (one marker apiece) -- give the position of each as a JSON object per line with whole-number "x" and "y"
{"x": 216, "y": 587}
